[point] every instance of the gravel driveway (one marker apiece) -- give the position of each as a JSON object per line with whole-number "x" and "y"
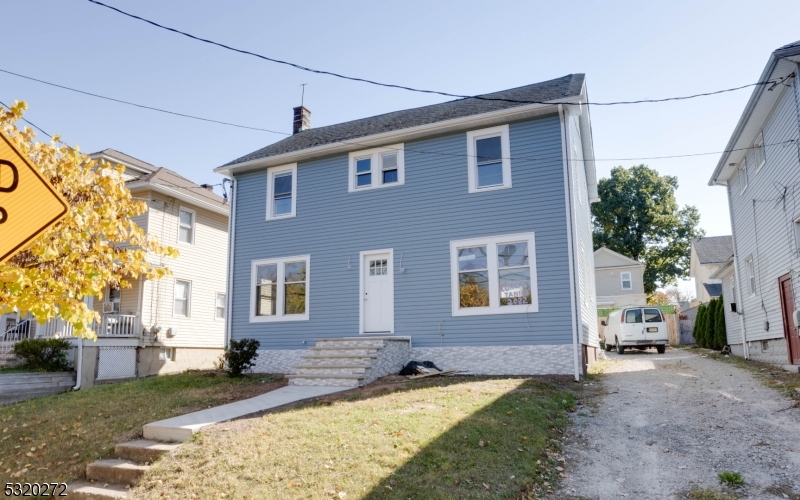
{"x": 657, "y": 425}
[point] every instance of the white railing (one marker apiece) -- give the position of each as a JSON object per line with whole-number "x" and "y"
{"x": 110, "y": 325}
{"x": 20, "y": 331}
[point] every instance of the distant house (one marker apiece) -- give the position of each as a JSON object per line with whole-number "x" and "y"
{"x": 176, "y": 323}
{"x": 458, "y": 233}
{"x": 619, "y": 280}
{"x": 708, "y": 255}
{"x": 761, "y": 172}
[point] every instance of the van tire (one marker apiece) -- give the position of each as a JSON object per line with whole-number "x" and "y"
{"x": 661, "y": 349}
{"x": 607, "y": 347}
{"x": 620, "y": 349}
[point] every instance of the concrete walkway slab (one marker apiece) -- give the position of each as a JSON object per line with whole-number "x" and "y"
{"x": 182, "y": 428}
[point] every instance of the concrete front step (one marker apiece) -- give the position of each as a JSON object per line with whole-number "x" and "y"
{"x": 115, "y": 471}
{"x": 335, "y": 351}
{"x": 336, "y": 370}
{"x": 331, "y": 380}
{"x": 143, "y": 450}
{"x": 96, "y": 491}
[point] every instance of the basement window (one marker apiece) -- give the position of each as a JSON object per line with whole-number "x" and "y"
{"x": 166, "y": 354}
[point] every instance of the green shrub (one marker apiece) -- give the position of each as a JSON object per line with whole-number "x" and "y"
{"x": 44, "y": 355}
{"x": 732, "y": 479}
{"x": 240, "y": 356}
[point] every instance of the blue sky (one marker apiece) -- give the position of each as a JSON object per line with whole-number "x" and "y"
{"x": 628, "y": 50}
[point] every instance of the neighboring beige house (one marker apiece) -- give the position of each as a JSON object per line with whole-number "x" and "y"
{"x": 708, "y": 255}
{"x": 176, "y": 323}
{"x": 619, "y": 280}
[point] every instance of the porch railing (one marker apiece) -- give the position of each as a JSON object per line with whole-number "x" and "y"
{"x": 110, "y": 325}
{"x": 20, "y": 331}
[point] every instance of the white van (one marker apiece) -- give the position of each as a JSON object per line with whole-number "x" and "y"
{"x": 637, "y": 328}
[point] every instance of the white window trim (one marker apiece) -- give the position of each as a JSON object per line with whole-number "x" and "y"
{"x": 166, "y": 354}
{"x": 796, "y": 231}
{"x": 622, "y": 280}
{"x": 376, "y": 170}
{"x": 362, "y": 276}
{"x": 279, "y": 316}
{"x": 494, "y": 307}
{"x": 743, "y": 181}
{"x": 750, "y": 269}
{"x": 759, "y": 143}
{"x": 194, "y": 225}
{"x": 224, "y": 306}
{"x": 271, "y": 173}
{"x": 188, "y": 299}
{"x": 472, "y": 159}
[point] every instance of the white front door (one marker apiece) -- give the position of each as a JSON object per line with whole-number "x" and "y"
{"x": 378, "y": 298}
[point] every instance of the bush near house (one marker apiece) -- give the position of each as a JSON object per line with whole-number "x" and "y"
{"x": 240, "y": 356}
{"x": 709, "y": 327}
{"x": 697, "y": 333}
{"x": 43, "y": 355}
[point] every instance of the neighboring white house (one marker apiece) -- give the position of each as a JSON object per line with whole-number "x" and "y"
{"x": 761, "y": 172}
{"x": 708, "y": 255}
{"x": 619, "y": 280}
{"x": 176, "y": 323}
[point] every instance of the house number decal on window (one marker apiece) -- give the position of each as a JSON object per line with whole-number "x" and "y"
{"x": 377, "y": 267}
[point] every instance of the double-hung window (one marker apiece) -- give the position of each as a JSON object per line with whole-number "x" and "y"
{"x": 186, "y": 225}
{"x": 743, "y": 175}
{"x": 219, "y": 309}
{"x": 758, "y": 151}
{"x": 182, "y": 299}
{"x": 376, "y": 168}
{"x": 281, "y": 191}
{"x": 279, "y": 289}
{"x": 488, "y": 159}
{"x": 627, "y": 284}
{"x": 494, "y": 275}
{"x": 751, "y": 275}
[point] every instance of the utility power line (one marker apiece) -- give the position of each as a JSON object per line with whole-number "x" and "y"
{"x": 403, "y": 87}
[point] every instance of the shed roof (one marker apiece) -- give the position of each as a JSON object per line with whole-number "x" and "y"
{"x": 551, "y": 90}
{"x": 713, "y": 249}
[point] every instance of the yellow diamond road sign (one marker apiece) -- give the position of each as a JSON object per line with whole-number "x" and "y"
{"x": 28, "y": 202}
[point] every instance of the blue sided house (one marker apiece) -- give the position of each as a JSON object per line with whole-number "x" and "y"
{"x": 457, "y": 233}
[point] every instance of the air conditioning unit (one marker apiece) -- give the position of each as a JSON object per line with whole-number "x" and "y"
{"x": 110, "y": 307}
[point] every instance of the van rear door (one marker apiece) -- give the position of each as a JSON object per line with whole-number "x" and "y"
{"x": 632, "y": 327}
{"x": 654, "y": 326}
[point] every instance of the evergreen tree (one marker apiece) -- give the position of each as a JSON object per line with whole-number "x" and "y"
{"x": 698, "y": 324}
{"x": 722, "y": 337}
{"x": 711, "y": 324}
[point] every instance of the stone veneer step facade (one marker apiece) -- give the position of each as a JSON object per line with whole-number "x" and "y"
{"x": 351, "y": 361}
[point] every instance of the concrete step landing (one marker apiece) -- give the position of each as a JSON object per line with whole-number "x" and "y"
{"x": 96, "y": 491}
{"x": 115, "y": 471}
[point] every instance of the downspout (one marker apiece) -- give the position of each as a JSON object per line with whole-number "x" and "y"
{"x": 571, "y": 253}
{"x": 229, "y": 287}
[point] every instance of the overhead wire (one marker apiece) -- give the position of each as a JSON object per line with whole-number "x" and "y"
{"x": 404, "y": 87}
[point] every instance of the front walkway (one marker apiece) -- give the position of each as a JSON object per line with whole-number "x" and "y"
{"x": 181, "y": 428}
{"x": 664, "y": 424}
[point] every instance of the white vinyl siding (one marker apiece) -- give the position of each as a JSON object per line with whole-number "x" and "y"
{"x": 204, "y": 264}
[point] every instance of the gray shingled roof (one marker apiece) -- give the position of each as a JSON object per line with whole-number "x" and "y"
{"x": 713, "y": 249}
{"x": 167, "y": 178}
{"x": 126, "y": 159}
{"x": 552, "y": 90}
{"x": 713, "y": 289}
{"x": 789, "y": 46}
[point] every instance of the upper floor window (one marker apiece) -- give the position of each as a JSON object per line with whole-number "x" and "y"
{"x": 743, "y": 175}
{"x": 186, "y": 219}
{"x": 751, "y": 275}
{"x": 281, "y": 191}
{"x": 627, "y": 284}
{"x": 796, "y": 228}
{"x": 494, "y": 275}
{"x": 488, "y": 159}
{"x": 376, "y": 168}
{"x": 758, "y": 151}
{"x": 279, "y": 289}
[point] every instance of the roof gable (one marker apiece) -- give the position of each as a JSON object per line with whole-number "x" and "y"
{"x": 713, "y": 249}
{"x": 605, "y": 257}
{"x": 173, "y": 181}
{"x": 552, "y": 90}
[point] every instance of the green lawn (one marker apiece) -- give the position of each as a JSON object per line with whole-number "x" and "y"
{"x": 54, "y": 437}
{"x": 433, "y": 438}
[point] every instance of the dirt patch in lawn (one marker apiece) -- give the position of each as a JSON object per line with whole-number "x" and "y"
{"x": 432, "y": 438}
{"x": 53, "y": 438}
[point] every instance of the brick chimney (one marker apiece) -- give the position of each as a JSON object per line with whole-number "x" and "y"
{"x": 302, "y": 119}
